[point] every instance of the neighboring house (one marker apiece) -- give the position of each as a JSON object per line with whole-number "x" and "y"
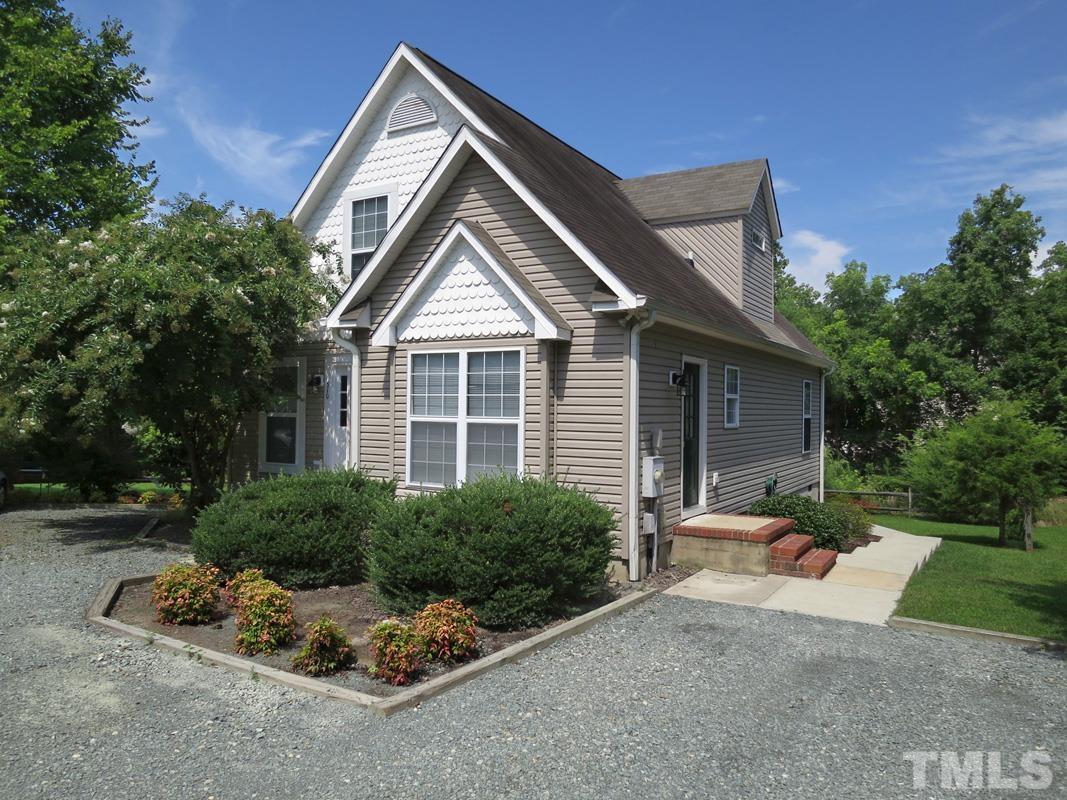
{"x": 514, "y": 305}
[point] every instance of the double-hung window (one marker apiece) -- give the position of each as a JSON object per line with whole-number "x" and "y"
{"x": 281, "y": 437}
{"x": 368, "y": 221}
{"x": 806, "y": 416}
{"x": 732, "y": 397}
{"x": 464, "y": 415}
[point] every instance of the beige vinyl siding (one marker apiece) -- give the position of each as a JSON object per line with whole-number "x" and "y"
{"x": 244, "y": 454}
{"x": 587, "y": 412}
{"x": 758, "y": 267}
{"x": 716, "y": 248}
{"x": 768, "y": 440}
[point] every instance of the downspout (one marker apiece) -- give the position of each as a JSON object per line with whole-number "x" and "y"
{"x": 353, "y": 395}
{"x": 633, "y": 444}
{"x": 822, "y": 433}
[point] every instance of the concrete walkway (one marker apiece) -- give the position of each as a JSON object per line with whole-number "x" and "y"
{"x": 863, "y": 586}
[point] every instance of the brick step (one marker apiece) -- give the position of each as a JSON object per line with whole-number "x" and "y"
{"x": 791, "y": 546}
{"x": 812, "y": 564}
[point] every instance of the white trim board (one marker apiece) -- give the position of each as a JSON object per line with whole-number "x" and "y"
{"x": 465, "y": 143}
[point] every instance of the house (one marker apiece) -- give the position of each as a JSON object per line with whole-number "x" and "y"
{"x": 515, "y": 305}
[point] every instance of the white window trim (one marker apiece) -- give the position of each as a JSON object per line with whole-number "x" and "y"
{"x": 301, "y": 415}
{"x": 702, "y": 506}
{"x": 726, "y": 395}
{"x": 388, "y": 190}
{"x": 805, "y": 415}
{"x": 461, "y": 419}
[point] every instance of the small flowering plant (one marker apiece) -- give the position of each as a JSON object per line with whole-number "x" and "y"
{"x": 398, "y": 650}
{"x": 326, "y": 650}
{"x": 186, "y": 594}
{"x": 264, "y": 618}
{"x": 448, "y": 630}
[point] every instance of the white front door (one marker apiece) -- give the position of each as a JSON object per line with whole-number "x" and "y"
{"x": 337, "y": 409}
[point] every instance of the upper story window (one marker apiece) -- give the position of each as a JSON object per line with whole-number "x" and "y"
{"x": 806, "y": 417}
{"x": 368, "y": 222}
{"x": 464, "y": 415}
{"x": 732, "y": 397}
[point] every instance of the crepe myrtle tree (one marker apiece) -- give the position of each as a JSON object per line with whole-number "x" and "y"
{"x": 997, "y": 459}
{"x": 176, "y": 321}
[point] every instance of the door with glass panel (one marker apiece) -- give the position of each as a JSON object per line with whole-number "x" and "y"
{"x": 337, "y": 412}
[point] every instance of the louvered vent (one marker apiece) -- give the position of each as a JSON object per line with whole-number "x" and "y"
{"x": 409, "y": 112}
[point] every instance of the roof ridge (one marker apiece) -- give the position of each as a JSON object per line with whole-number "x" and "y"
{"x": 515, "y": 111}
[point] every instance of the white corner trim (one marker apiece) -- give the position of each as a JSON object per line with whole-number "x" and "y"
{"x": 386, "y": 336}
{"x": 456, "y": 154}
{"x": 401, "y": 57}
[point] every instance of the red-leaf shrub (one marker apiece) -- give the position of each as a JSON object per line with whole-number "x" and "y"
{"x": 448, "y": 630}
{"x": 264, "y": 618}
{"x": 186, "y": 594}
{"x": 238, "y": 583}
{"x": 326, "y": 650}
{"x": 398, "y": 651}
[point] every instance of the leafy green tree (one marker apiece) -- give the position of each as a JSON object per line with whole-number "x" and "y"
{"x": 178, "y": 321}
{"x": 798, "y": 302}
{"x": 994, "y": 461}
{"x": 66, "y": 149}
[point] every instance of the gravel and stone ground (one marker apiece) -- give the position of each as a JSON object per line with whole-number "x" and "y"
{"x": 678, "y": 698}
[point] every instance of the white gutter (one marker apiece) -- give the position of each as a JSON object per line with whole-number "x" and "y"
{"x": 633, "y": 442}
{"x": 353, "y": 396}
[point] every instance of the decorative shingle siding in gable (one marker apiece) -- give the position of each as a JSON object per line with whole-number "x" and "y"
{"x": 403, "y": 158}
{"x": 758, "y": 269}
{"x": 769, "y": 438}
{"x": 716, "y": 248}
{"x": 589, "y": 375}
{"x": 464, "y": 299}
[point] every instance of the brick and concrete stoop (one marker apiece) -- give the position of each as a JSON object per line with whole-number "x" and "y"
{"x": 751, "y": 546}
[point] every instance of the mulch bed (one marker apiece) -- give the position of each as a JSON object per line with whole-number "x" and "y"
{"x": 860, "y": 541}
{"x": 352, "y": 607}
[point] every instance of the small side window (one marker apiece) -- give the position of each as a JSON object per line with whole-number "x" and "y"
{"x": 732, "y": 397}
{"x": 806, "y": 417}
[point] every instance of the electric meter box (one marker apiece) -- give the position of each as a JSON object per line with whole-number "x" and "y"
{"x": 652, "y": 476}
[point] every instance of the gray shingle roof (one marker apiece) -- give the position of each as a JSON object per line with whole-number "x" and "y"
{"x": 587, "y": 199}
{"x": 703, "y": 193}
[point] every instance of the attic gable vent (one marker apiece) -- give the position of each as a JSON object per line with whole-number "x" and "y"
{"x": 410, "y": 112}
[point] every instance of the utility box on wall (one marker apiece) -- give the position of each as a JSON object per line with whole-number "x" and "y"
{"x": 652, "y": 476}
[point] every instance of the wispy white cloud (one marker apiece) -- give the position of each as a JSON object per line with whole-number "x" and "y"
{"x": 812, "y": 255}
{"x": 263, "y": 159}
{"x": 784, "y": 186}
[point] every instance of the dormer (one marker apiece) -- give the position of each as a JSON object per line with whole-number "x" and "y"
{"x": 723, "y": 220}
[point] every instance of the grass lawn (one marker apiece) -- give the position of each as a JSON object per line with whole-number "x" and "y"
{"x": 970, "y": 581}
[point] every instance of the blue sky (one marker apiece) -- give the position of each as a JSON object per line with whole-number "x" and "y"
{"x": 882, "y": 120}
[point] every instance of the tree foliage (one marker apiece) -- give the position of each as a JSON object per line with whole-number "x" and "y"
{"x": 67, "y": 154}
{"x": 994, "y": 462}
{"x": 177, "y": 321}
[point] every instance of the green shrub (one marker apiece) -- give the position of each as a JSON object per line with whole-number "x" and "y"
{"x": 326, "y": 650}
{"x": 264, "y": 618}
{"x": 239, "y": 582}
{"x": 398, "y": 651}
{"x": 813, "y": 518}
{"x": 303, "y": 531}
{"x": 854, "y": 517}
{"x": 520, "y": 551}
{"x": 840, "y": 474}
{"x": 448, "y": 630}
{"x": 186, "y": 594}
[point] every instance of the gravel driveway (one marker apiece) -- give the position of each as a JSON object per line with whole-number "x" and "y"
{"x": 678, "y": 698}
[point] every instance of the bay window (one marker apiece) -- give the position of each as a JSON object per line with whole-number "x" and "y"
{"x": 464, "y": 415}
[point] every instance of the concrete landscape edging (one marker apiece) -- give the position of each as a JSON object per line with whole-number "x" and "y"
{"x": 981, "y": 634}
{"x": 105, "y": 600}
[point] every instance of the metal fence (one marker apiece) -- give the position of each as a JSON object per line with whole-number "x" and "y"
{"x": 889, "y": 501}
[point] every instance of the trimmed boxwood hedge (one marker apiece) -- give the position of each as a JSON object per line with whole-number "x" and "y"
{"x": 303, "y": 531}
{"x": 519, "y": 551}
{"x": 822, "y": 521}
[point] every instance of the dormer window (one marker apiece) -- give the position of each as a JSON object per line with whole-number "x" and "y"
{"x": 410, "y": 112}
